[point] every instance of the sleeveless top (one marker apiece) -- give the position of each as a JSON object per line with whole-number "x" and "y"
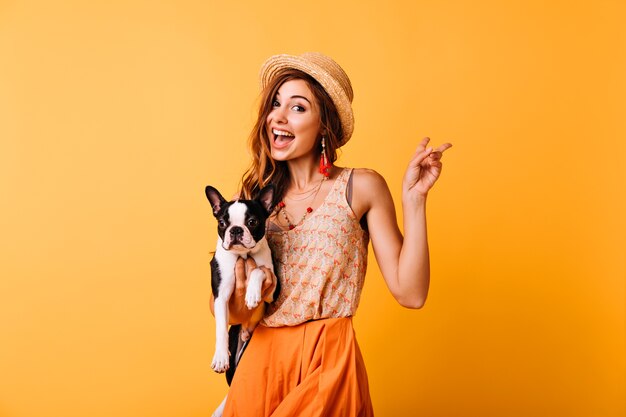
{"x": 320, "y": 264}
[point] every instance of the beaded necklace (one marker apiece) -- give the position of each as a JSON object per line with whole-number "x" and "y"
{"x": 309, "y": 209}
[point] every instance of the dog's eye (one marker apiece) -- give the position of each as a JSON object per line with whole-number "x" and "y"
{"x": 221, "y": 223}
{"x": 253, "y": 222}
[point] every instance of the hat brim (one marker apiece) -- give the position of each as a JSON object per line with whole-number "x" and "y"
{"x": 307, "y": 64}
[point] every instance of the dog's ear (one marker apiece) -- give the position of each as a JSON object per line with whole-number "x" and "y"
{"x": 215, "y": 198}
{"x": 266, "y": 198}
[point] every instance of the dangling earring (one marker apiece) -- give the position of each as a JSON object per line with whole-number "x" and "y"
{"x": 325, "y": 164}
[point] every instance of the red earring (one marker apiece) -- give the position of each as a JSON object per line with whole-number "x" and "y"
{"x": 325, "y": 164}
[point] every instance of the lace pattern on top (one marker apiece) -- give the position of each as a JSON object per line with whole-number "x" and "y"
{"x": 321, "y": 263}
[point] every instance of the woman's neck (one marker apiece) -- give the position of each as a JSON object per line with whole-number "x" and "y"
{"x": 303, "y": 173}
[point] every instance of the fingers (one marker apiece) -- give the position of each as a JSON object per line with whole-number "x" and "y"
{"x": 250, "y": 265}
{"x": 240, "y": 275}
{"x": 433, "y": 160}
{"x": 269, "y": 284}
{"x": 422, "y": 152}
{"x": 243, "y": 268}
{"x": 270, "y": 279}
{"x": 422, "y": 146}
{"x": 237, "y": 300}
{"x": 419, "y": 157}
{"x": 443, "y": 147}
{"x": 436, "y": 154}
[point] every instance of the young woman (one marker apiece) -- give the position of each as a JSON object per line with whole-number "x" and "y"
{"x": 303, "y": 359}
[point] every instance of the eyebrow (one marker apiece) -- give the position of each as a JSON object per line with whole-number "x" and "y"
{"x": 302, "y": 97}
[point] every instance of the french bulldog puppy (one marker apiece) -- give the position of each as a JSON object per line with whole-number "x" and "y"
{"x": 241, "y": 233}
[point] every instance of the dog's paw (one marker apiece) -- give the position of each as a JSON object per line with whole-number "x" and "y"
{"x": 220, "y": 361}
{"x": 253, "y": 298}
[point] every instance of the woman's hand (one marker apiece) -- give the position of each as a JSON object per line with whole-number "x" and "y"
{"x": 237, "y": 310}
{"x": 423, "y": 170}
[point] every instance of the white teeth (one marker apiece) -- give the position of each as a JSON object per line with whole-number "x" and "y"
{"x": 282, "y": 133}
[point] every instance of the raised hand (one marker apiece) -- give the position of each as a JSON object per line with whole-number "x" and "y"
{"x": 423, "y": 170}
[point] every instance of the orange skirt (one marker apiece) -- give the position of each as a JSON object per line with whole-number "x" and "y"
{"x": 313, "y": 369}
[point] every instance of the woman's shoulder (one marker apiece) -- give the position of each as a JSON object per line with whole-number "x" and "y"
{"x": 367, "y": 186}
{"x": 367, "y": 179}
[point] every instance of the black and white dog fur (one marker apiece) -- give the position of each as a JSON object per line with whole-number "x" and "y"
{"x": 241, "y": 233}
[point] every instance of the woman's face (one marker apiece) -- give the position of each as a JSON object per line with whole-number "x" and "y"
{"x": 293, "y": 125}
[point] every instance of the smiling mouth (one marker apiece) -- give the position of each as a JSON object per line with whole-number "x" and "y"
{"x": 282, "y": 138}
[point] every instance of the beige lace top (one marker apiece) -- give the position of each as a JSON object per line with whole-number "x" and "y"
{"x": 320, "y": 263}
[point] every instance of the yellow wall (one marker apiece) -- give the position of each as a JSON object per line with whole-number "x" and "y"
{"x": 114, "y": 115}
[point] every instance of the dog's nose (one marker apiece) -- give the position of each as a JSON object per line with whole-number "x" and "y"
{"x": 236, "y": 231}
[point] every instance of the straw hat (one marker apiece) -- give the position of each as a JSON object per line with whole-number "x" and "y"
{"x": 325, "y": 71}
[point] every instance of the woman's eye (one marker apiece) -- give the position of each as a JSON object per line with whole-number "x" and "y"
{"x": 298, "y": 108}
{"x": 252, "y": 222}
{"x": 275, "y": 103}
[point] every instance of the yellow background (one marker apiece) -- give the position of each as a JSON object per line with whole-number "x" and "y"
{"x": 114, "y": 115}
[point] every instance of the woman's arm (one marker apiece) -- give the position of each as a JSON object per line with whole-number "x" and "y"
{"x": 404, "y": 262}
